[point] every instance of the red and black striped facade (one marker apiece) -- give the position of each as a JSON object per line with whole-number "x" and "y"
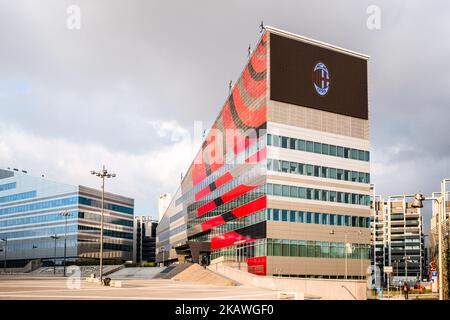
{"x": 223, "y": 191}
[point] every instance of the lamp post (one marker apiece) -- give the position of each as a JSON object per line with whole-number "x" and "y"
{"x": 5, "y": 240}
{"x": 65, "y": 214}
{"x": 102, "y": 174}
{"x": 55, "y": 237}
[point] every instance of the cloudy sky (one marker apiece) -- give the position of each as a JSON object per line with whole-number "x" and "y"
{"x": 124, "y": 87}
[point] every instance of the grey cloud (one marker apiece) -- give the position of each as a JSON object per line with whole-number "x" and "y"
{"x": 140, "y": 61}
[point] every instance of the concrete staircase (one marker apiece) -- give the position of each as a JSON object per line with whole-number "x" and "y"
{"x": 172, "y": 271}
{"x": 136, "y": 273}
{"x": 196, "y": 273}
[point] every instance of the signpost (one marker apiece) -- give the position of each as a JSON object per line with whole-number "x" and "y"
{"x": 388, "y": 270}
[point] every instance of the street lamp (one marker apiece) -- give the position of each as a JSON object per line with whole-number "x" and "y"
{"x": 55, "y": 237}
{"x": 102, "y": 174}
{"x": 65, "y": 214}
{"x": 5, "y": 240}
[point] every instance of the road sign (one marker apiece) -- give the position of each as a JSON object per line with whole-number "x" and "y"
{"x": 388, "y": 269}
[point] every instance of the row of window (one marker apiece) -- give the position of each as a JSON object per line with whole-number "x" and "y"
{"x": 317, "y": 171}
{"x": 108, "y": 206}
{"x": 107, "y": 232}
{"x": 19, "y": 246}
{"x": 318, "y": 218}
{"x": 294, "y": 248}
{"x": 317, "y": 194}
{"x": 7, "y": 186}
{"x": 39, "y": 232}
{"x": 230, "y": 163}
{"x": 35, "y": 219}
{"x": 64, "y": 202}
{"x": 243, "y": 178}
{"x": 18, "y": 196}
{"x": 112, "y": 220}
{"x": 229, "y": 206}
{"x": 40, "y": 205}
{"x": 317, "y": 147}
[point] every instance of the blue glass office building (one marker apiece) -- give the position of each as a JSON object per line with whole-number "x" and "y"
{"x": 31, "y": 213}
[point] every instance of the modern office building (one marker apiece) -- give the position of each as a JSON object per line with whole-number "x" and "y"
{"x": 398, "y": 240}
{"x": 281, "y": 183}
{"x": 32, "y": 213}
{"x": 144, "y": 249}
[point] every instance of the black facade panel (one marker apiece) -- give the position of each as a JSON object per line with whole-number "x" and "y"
{"x": 292, "y": 77}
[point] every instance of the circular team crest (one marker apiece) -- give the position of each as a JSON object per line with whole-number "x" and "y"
{"x": 321, "y": 79}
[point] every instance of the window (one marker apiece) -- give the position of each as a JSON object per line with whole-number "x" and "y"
{"x": 324, "y": 218}
{"x": 294, "y": 167}
{"x": 269, "y": 139}
{"x": 317, "y": 218}
{"x": 301, "y": 145}
{"x": 276, "y": 215}
{"x": 293, "y": 192}
{"x": 333, "y": 150}
{"x": 317, "y": 147}
{"x": 284, "y": 142}
{"x": 292, "y": 143}
{"x": 333, "y": 196}
{"x": 292, "y": 216}
{"x": 309, "y": 217}
{"x": 361, "y": 155}
{"x": 354, "y": 154}
{"x": 302, "y": 248}
{"x": 308, "y": 193}
{"x": 347, "y": 153}
{"x": 300, "y": 216}
{"x": 269, "y": 187}
{"x": 284, "y": 166}
{"x": 325, "y": 149}
{"x": 309, "y": 170}
{"x": 269, "y": 164}
{"x": 293, "y": 248}
{"x": 333, "y": 173}
{"x": 286, "y": 248}
{"x": 354, "y": 176}
{"x": 276, "y": 141}
{"x": 309, "y": 146}
{"x": 325, "y": 172}
{"x": 277, "y": 248}
{"x": 340, "y": 220}
{"x": 277, "y": 190}
{"x": 316, "y": 171}
{"x": 285, "y": 191}
{"x": 316, "y": 194}
{"x": 340, "y": 174}
{"x": 340, "y": 152}
{"x": 284, "y": 215}
{"x": 301, "y": 192}
{"x": 332, "y": 219}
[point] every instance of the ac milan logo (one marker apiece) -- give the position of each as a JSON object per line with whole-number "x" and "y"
{"x": 321, "y": 79}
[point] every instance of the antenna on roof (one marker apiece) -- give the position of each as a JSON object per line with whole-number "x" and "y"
{"x": 249, "y": 49}
{"x": 261, "y": 26}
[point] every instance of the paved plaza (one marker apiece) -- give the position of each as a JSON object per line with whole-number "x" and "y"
{"x": 57, "y": 288}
